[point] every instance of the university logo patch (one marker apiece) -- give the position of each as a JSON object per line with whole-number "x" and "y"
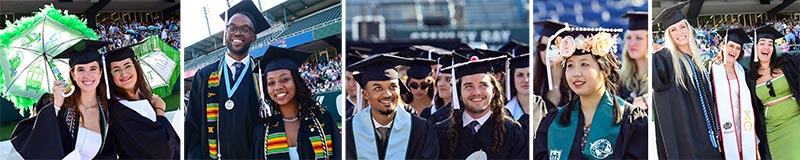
{"x": 601, "y": 149}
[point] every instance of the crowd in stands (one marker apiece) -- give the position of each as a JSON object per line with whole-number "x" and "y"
{"x": 322, "y": 76}
{"x": 126, "y": 33}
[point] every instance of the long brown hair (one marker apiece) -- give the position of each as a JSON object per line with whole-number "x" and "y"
{"x": 497, "y": 105}
{"x": 141, "y": 85}
{"x": 73, "y": 100}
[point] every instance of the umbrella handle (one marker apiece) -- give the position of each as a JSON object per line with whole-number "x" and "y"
{"x": 72, "y": 90}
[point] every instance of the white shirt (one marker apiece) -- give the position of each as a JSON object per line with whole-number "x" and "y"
{"x": 142, "y": 107}
{"x": 229, "y": 61}
{"x": 87, "y": 144}
{"x": 467, "y": 119}
{"x": 378, "y": 125}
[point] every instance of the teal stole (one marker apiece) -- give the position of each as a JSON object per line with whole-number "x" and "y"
{"x": 366, "y": 142}
{"x": 602, "y": 134}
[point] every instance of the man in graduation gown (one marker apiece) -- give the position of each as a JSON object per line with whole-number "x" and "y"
{"x": 482, "y": 127}
{"x": 385, "y": 130}
{"x": 352, "y": 95}
{"x": 222, "y": 118}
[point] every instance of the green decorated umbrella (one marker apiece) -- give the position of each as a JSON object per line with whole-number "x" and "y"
{"x": 160, "y": 63}
{"x": 27, "y": 48}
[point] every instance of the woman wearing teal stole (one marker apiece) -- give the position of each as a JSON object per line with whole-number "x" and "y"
{"x": 298, "y": 127}
{"x": 595, "y": 123}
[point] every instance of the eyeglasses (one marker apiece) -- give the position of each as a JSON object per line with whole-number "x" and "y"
{"x": 127, "y": 69}
{"x": 243, "y": 29}
{"x": 771, "y": 89}
{"x": 541, "y": 47}
{"x": 415, "y": 85}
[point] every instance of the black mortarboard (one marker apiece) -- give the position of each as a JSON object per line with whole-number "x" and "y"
{"x": 636, "y": 20}
{"x": 419, "y": 68}
{"x": 498, "y": 67}
{"x": 766, "y": 31}
{"x": 281, "y": 58}
{"x": 423, "y": 51}
{"x": 670, "y": 15}
{"x": 379, "y": 67}
{"x": 121, "y": 53}
{"x": 521, "y": 61}
{"x": 249, "y": 9}
{"x": 352, "y": 58}
{"x": 476, "y": 66}
{"x": 449, "y": 60}
{"x": 515, "y": 48}
{"x": 85, "y": 51}
{"x": 549, "y": 27}
{"x": 736, "y": 35}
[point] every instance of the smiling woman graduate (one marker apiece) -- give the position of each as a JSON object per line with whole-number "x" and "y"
{"x": 73, "y": 127}
{"x": 138, "y": 119}
{"x": 595, "y": 123}
{"x": 299, "y": 127}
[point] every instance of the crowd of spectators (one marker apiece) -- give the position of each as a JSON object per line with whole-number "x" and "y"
{"x": 322, "y": 76}
{"x": 126, "y": 33}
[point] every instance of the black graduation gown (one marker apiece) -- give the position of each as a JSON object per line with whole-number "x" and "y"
{"x": 625, "y": 94}
{"x": 423, "y": 142}
{"x": 791, "y": 70}
{"x": 514, "y": 146}
{"x": 441, "y": 114}
{"x": 239, "y": 131}
{"x": 137, "y": 137}
{"x": 47, "y": 136}
{"x": 631, "y": 142}
{"x": 681, "y": 130}
{"x": 349, "y": 108}
{"x": 304, "y": 148}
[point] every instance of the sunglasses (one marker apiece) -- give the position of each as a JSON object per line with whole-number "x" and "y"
{"x": 541, "y": 47}
{"x": 771, "y": 89}
{"x": 414, "y": 85}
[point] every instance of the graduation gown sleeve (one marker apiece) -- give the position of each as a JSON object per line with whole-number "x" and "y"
{"x": 196, "y": 135}
{"x": 424, "y": 142}
{"x": 137, "y": 137}
{"x": 41, "y": 137}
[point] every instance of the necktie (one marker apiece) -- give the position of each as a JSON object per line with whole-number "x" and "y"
{"x": 383, "y": 132}
{"x": 239, "y": 67}
{"x": 471, "y": 127}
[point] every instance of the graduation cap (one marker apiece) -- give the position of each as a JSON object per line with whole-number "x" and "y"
{"x": 352, "y": 58}
{"x": 549, "y": 27}
{"x": 85, "y": 51}
{"x": 121, "y": 53}
{"x": 423, "y": 51}
{"x": 281, "y": 58}
{"x": 498, "y": 67}
{"x": 249, "y": 9}
{"x": 766, "y": 31}
{"x": 515, "y": 48}
{"x": 636, "y": 20}
{"x": 473, "y": 66}
{"x": 379, "y": 67}
{"x": 570, "y": 41}
{"x": 671, "y": 15}
{"x": 419, "y": 68}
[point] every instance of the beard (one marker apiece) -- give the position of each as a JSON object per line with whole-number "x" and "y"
{"x": 386, "y": 112}
{"x": 242, "y": 51}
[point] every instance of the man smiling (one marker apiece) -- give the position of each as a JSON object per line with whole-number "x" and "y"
{"x": 222, "y": 114}
{"x": 384, "y": 121}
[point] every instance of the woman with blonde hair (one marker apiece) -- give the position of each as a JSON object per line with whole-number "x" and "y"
{"x": 683, "y": 105}
{"x": 634, "y": 87}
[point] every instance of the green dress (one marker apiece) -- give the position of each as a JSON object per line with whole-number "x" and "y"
{"x": 783, "y": 120}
